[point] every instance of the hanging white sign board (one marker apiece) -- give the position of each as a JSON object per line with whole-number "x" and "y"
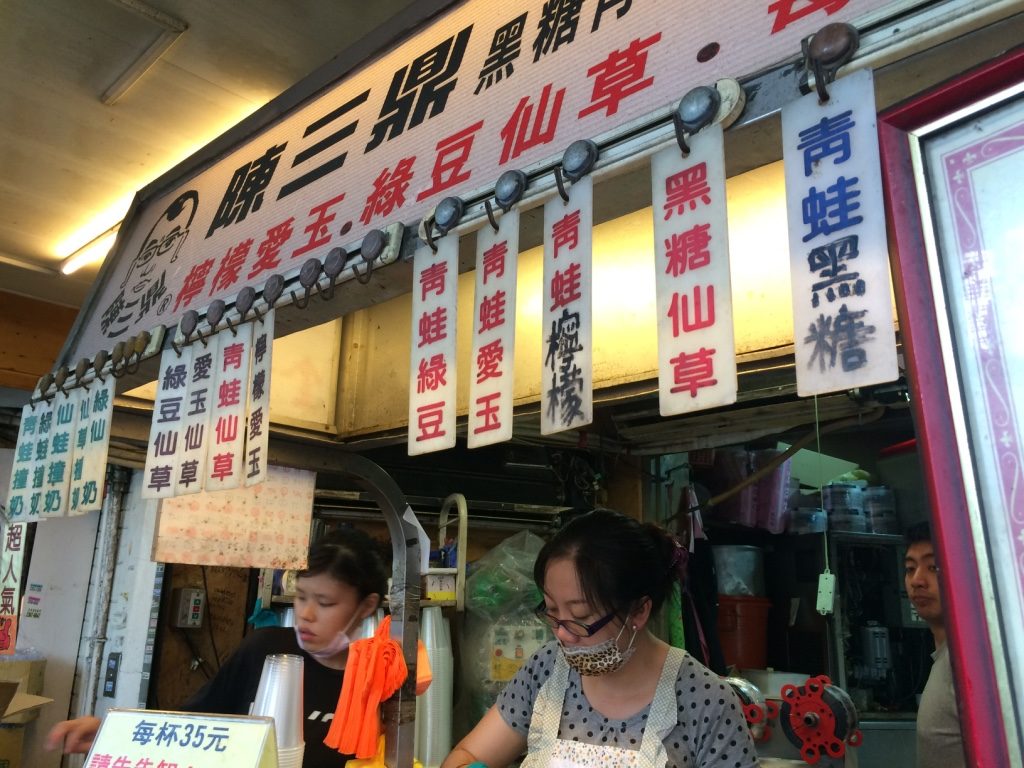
{"x": 839, "y": 255}
{"x": 567, "y": 376}
{"x": 696, "y": 348}
{"x": 494, "y": 332}
{"x": 435, "y": 285}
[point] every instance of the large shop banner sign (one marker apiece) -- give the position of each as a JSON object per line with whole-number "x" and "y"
{"x": 435, "y": 284}
{"x": 482, "y": 88}
{"x": 567, "y": 377}
{"x": 839, "y": 256}
{"x": 696, "y": 348}
{"x": 12, "y": 539}
{"x": 92, "y": 443}
{"x": 494, "y": 332}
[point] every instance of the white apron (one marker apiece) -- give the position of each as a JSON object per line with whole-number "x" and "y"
{"x": 546, "y": 750}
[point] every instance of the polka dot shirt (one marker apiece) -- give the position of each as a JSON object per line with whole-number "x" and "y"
{"x": 710, "y": 731}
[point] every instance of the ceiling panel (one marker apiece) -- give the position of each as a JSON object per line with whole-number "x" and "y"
{"x": 70, "y": 164}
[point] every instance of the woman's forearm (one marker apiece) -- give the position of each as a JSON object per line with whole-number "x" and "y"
{"x": 459, "y": 758}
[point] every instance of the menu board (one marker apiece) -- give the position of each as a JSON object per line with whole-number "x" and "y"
{"x": 259, "y": 526}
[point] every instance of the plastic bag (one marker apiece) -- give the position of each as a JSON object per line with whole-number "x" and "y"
{"x": 501, "y": 630}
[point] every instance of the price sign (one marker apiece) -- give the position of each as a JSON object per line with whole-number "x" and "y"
{"x": 144, "y": 737}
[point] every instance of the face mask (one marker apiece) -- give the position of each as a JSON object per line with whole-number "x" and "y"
{"x": 600, "y": 659}
{"x": 338, "y": 644}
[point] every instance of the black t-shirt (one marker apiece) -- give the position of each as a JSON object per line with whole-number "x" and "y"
{"x": 233, "y": 689}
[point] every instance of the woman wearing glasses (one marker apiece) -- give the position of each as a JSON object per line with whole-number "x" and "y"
{"x": 606, "y": 691}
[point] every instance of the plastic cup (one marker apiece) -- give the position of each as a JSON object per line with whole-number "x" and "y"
{"x": 279, "y": 696}
{"x": 290, "y": 757}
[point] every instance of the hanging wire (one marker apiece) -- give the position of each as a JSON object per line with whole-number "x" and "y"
{"x": 821, "y": 485}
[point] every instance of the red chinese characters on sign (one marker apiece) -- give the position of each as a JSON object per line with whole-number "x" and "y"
{"x": 685, "y": 251}
{"x": 321, "y": 216}
{"x": 619, "y": 76}
{"x": 490, "y": 388}
{"x": 194, "y": 283}
{"x": 228, "y": 425}
{"x": 789, "y": 11}
{"x": 432, "y": 355}
{"x": 389, "y": 190}
{"x": 230, "y": 267}
{"x": 531, "y": 125}
{"x": 696, "y": 366}
{"x": 450, "y": 165}
{"x": 268, "y": 253}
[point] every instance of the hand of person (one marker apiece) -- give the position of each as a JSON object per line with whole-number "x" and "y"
{"x": 76, "y": 735}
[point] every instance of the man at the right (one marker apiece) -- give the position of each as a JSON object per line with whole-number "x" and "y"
{"x": 939, "y": 743}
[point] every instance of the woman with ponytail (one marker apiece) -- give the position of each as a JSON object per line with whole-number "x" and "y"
{"x": 606, "y": 691}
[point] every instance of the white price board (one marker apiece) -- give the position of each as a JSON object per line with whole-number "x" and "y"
{"x": 134, "y": 737}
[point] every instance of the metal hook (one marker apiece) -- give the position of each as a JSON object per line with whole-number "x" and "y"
{"x": 491, "y": 214}
{"x": 231, "y": 326}
{"x": 428, "y": 230}
{"x": 561, "y": 184}
{"x": 328, "y": 293}
{"x": 128, "y": 367}
{"x": 364, "y": 278}
{"x": 827, "y": 50}
{"x": 820, "y": 84}
{"x": 304, "y": 301}
{"x": 677, "y": 123}
{"x": 256, "y": 311}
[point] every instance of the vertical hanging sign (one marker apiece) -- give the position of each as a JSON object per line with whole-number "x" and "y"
{"x": 165, "y": 431}
{"x": 61, "y": 451}
{"x": 257, "y": 420}
{"x": 432, "y": 356}
{"x": 20, "y": 489}
{"x": 696, "y": 346}
{"x": 494, "y": 332}
{"x": 92, "y": 443}
{"x": 567, "y": 367}
{"x": 225, "y": 458}
{"x": 839, "y": 257}
{"x": 40, "y": 462}
{"x": 196, "y": 428}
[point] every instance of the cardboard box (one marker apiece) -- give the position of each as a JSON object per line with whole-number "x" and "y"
{"x": 14, "y": 705}
{"x": 12, "y": 741}
{"x": 28, "y": 675}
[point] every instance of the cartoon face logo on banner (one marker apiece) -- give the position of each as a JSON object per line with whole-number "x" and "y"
{"x": 141, "y": 290}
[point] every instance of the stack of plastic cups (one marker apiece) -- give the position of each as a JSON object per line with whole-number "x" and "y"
{"x": 279, "y": 696}
{"x": 434, "y": 708}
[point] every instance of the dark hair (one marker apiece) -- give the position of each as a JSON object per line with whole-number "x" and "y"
{"x": 619, "y": 560}
{"x": 918, "y": 532}
{"x": 350, "y": 556}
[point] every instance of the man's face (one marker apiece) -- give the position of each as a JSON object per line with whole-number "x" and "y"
{"x": 921, "y": 576}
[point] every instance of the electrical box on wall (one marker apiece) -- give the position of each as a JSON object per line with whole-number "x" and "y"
{"x": 188, "y": 606}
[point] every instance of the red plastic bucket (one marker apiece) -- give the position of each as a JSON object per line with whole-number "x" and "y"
{"x": 743, "y": 630}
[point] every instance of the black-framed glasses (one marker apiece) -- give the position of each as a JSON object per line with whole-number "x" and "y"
{"x": 573, "y": 627}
